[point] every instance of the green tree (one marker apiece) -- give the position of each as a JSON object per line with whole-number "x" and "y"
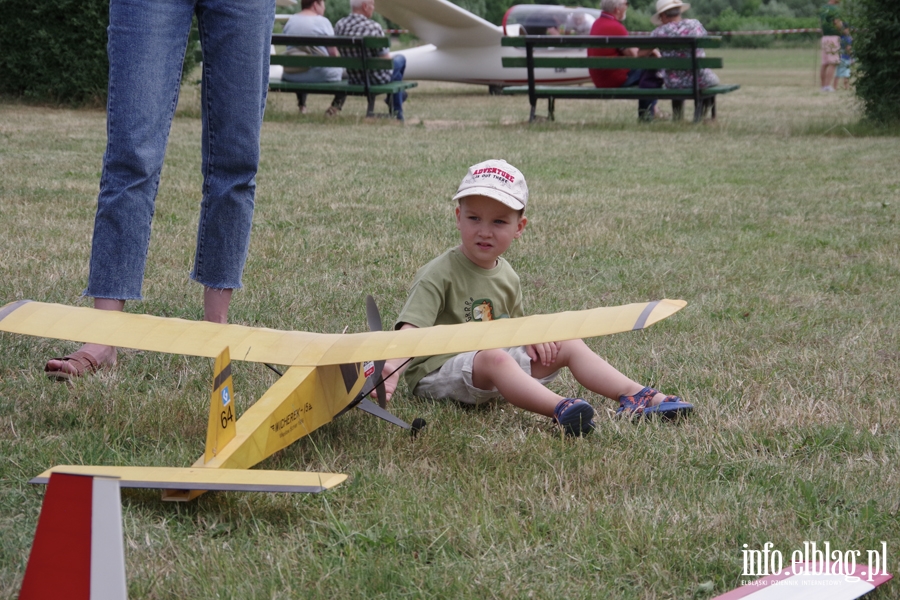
{"x": 876, "y": 47}
{"x": 55, "y": 50}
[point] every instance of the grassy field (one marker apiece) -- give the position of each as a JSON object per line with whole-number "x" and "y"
{"x": 778, "y": 224}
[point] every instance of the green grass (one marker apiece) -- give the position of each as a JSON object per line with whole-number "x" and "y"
{"x": 778, "y": 225}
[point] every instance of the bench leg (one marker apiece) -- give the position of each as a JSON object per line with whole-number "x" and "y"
{"x": 370, "y": 111}
{"x": 707, "y": 105}
{"x": 551, "y": 106}
{"x": 390, "y": 103}
{"x": 677, "y": 110}
{"x": 531, "y": 117}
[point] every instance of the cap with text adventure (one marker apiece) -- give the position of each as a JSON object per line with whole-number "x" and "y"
{"x": 495, "y": 179}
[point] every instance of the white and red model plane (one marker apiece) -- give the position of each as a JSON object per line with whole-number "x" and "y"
{"x": 462, "y": 47}
{"x": 327, "y": 375}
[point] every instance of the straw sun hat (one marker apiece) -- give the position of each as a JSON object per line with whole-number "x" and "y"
{"x": 665, "y": 5}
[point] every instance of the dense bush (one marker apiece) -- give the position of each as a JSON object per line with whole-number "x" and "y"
{"x": 54, "y": 50}
{"x": 638, "y": 21}
{"x": 876, "y": 47}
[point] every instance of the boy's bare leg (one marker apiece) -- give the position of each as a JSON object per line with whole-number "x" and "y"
{"x": 497, "y": 369}
{"x": 592, "y": 372}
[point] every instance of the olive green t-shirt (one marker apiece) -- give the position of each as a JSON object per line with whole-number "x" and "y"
{"x": 451, "y": 289}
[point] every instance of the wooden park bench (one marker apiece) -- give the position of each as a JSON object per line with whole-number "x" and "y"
{"x": 364, "y": 63}
{"x": 562, "y": 63}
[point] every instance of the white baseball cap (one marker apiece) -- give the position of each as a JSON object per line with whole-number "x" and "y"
{"x": 495, "y": 179}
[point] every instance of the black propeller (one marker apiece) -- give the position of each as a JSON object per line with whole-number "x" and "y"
{"x": 374, "y": 319}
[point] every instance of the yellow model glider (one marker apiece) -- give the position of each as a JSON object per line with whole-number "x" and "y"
{"x": 327, "y": 375}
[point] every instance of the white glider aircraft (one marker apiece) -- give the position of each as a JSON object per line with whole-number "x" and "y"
{"x": 327, "y": 375}
{"x": 463, "y": 47}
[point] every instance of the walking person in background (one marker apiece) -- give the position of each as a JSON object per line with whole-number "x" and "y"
{"x": 832, "y": 29}
{"x": 843, "y": 69}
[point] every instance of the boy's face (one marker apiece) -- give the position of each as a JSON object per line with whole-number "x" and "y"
{"x": 487, "y": 228}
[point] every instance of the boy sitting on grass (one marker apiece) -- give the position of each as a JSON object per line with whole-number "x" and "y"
{"x": 472, "y": 282}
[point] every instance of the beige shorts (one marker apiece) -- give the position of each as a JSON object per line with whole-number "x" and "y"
{"x": 831, "y": 49}
{"x": 454, "y": 379}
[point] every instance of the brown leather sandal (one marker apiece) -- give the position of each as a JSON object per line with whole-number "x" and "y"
{"x": 83, "y": 363}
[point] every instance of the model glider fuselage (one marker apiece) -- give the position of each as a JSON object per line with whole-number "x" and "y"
{"x": 327, "y": 374}
{"x": 462, "y": 47}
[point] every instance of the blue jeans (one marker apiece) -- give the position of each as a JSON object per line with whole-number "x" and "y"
{"x": 397, "y": 75}
{"x": 315, "y": 75}
{"x": 644, "y": 78}
{"x": 146, "y": 46}
{"x": 318, "y": 75}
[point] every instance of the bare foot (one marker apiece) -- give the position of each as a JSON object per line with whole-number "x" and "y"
{"x": 86, "y": 361}
{"x": 658, "y": 399}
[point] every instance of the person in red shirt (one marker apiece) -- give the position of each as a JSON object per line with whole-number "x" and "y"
{"x": 609, "y": 23}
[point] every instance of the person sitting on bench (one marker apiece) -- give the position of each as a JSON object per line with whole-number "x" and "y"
{"x": 311, "y": 21}
{"x": 609, "y": 23}
{"x": 670, "y": 24}
{"x": 359, "y": 23}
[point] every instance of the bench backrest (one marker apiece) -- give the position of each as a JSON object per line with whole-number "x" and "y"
{"x": 364, "y": 62}
{"x": 531, "y": 61}
{"x": 609, "y": 41}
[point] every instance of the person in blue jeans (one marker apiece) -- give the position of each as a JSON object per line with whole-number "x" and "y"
{"x": 146, "y": 47}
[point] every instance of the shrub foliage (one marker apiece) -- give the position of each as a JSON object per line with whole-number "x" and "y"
{"x": 876, "y": 46}
{"x": 54, "y": 50}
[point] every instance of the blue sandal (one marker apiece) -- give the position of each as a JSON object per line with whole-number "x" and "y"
{"x": 639, "y": 405}
{"x": 575, "y": 416}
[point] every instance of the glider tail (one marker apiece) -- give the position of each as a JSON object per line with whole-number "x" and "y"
{"x": 221, "y": 427}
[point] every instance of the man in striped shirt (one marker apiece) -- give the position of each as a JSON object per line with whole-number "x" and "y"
{"x": 359, "y": 23}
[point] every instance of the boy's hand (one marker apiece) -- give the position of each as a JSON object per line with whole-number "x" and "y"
{"x": 390, "y": 383}
{"x": 544, "y": 354}
{"x": 394, "y": 368}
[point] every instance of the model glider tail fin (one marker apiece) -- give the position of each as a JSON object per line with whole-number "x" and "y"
{"x": 441, "y": 22}
{"x": 221, "y": 428}
{"x": 78, "y": 550}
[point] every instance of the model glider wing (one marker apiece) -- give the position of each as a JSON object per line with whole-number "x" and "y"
{"x": 441, "y": 23}
{"x": 199, "y": 478}
{"x": 298, "y": 348}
